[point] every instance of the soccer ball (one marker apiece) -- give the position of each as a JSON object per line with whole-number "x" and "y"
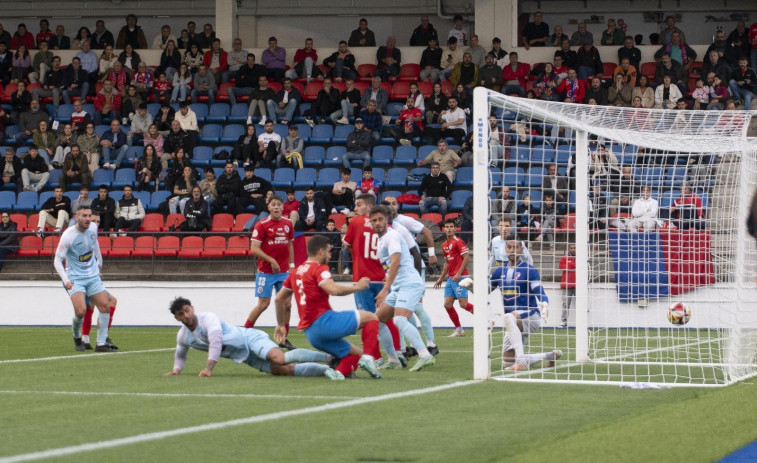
{"x": 679, "y": 313}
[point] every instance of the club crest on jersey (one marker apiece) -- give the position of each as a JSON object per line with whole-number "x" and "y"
{"x": 286, "y": 228}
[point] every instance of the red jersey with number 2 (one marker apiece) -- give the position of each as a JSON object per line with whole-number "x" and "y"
{"x": 364, "y": 242}
{"x": 274, "y": 237}
{"x": 305, "y": 282}
{"x": 454, "y": 250}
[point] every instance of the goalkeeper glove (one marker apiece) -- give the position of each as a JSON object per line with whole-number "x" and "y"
{"x": 467, "y": 283}
{"x": 544, "y": 309}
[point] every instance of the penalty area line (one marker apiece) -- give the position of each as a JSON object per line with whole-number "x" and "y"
{"x": 173, "y": 395}
{"x": 139, "y": 438}
{"x": 96, "y": 355}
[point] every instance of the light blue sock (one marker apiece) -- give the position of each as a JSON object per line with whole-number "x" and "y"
{"x": 426, "y": 326}
{"x": 304, "y": 355}
{"x": 102, "y": 327}
{"x": 76, "y": 325}
{"x": 410, "y": 332}
{"x": 385, "y": 339}
{"x": 309, "y": 369}
{"x": 403, "y": 344}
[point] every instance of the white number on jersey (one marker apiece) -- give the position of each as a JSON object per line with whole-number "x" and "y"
{"x": 301, "y": 290}
{"x": 370, "y": 243}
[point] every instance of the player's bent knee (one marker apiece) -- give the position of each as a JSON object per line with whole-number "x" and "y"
{"x": 276, "y": 357}
{"x": 398, "y": 311}
{"x": 281, "y": 369}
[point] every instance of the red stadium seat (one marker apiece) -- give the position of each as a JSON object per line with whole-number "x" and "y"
{"x": 20, "y": 220}
{"x": 409, "y": 72}
{"x": 696, "y": 69}
{"x": 32, "y": 222}
{"x": 152, "y": 223}
{"x": 427, "y": 88}
{"x": 222, "y": 223}
{"x": 214, "y": 247}
{"x": 122, "y": 247}
{"x": 432, "y": 216}
{"x": 362, "y": 86}
{"x": 311, "y": 91}
{"x": 240, "y": 220}
{"x": 447, "y": 88}
{"x": 191, "y": 247}
{"x": 30, "y": 246}
{"x": 144, "y": 246}
{"x": 365, "y": 72}
{"x": 298, "y": 85}
{"x": 609, "y": 68}
{"x": 223, "y": 93}
{"x": 339, "y": 220}
{"x": 399, "y": 92}
{"x": 647, "y": 69}
{"x": 275, "y": 86}
{"x": 174, "y": 220}
{"x": 9, "y": 90}
{"x": 105, "y": 245}
{"x": 238, "y": 246}
{"x": 341, "y": 86}
{"x": 49, "y": 245}
{"x": 568, "y": 223}
{"x": 167, "y": 246}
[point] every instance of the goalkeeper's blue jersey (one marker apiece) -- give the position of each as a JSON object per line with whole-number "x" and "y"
{"x": 521, "y": 288}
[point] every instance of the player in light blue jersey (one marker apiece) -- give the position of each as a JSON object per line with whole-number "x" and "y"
{"x": 526, "y": 305}
{"x": 81, "y": 277}
{"x": 403, "y": 288}
{"x": 206, "y": 331}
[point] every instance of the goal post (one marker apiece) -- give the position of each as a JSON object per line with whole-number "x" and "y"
{"x": 654, "y": 202}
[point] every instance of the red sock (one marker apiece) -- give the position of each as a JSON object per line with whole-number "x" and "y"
{"x": 112, "y": 311}
{"x": 453, "y": 316}
{"x": 469, "y": 307}
{"x": 370, "y": 339}
{"x": 86, "y": 324}
{"x": 347, "y": 365}
{"x": 395, "y": 334}
{"x": 286, "y": 325}
{"x": 248, "y": 323}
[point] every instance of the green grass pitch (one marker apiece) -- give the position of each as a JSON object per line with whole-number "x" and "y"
{"x": 89, "y": 398}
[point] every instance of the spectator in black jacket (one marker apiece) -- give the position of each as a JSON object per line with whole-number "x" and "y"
{"x": 342, "y": 63}
{"x": 197, "y": 213}
{"x": 75, "y": 81}
{"x": 388, "y": 58}
{"x": 54, "y": 212}
{"x": 327, "y": 102}
{"x": 335, "y": 240}
{"x": 589, "y": 63}
{"x": 228, "y": 187}
{"x": 597, "y": 92}
{"x": 5, "y": 63}
{"x": 10, "y": 168}
{"x": 53, "y": 83}
{"x": 129, "y": 212}
{"x": 21, "y": 100}
{"x": 8, "y": 236}
{"x": 176, "y": 138}
{"x": 34, "y": 170}
{"x": 313, "y": 213}
{"x": 253, "y": 190}
{"x": 285, "y": 103}
{"x": 431, "y": 61}
{"x": 105, "y": 207}
{"x": 164, "y": 118}
{"x": 176, "y": 171}
{"x": 423, "y": 33}
{"x": 246, "y": 79}
{"x": 246, "y": 148}
{"x": 628, "y": 50}
{"x": 358, "y": 145}
{"x": 435, "y": 189}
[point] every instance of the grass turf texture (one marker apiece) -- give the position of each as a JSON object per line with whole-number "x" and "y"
{"x": 487, "y": 421}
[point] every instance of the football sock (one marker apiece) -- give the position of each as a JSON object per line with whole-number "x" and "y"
{"x": 85, "y": 338}
{"x": 347, "y": 365}
{"x": 426, "y": 326}
{"x": 286, "y": 327}
{"x": 309, "y": 369}
{"x": 87, "y": 322}
{"x": 370, "y": 333}
{"x": 112, "y": 311}
{"x": 536, "y": 358}
{"x": 385, "y": 339}
{"x": 304, "y": 355}
{"x": 102, "y": 327}
{"x": 76, "y": 325}
{"x": 469, "y": 307}
{"x": 453, "y": 316}
{"x": 395, "y": 334}
{"x": 248, "y": 323}
{"x": 409, "y": 331}
{"x": 514, "y": 335}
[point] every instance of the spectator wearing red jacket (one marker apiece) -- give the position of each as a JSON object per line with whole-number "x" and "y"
{"x": 108, "y": 101}
{"x": 368, "y": 184}
{"x": 291, "y": 206}
{"x": 216, "y": 60}
{"x": 568, "y": 283}
{"x": 22, "y": 37}
{"x": 572, "y": 89}
{"x": 514, "y": 76}
{"x": 687, "y": 210}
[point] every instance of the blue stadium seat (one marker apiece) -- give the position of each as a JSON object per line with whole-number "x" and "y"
{"x": 211, "y": 133}
{"x": 201, "y": 111}
{"x": 314, "y": 156}
{"x": 304, "y": 177}
{"x": 464, "y": 176}
{"x": 219, "y": 112}
{"x": 238, "y": 113}
{"x": 520, "y": 153}
{"x": 282, "y": 130}
{"x": 90, "y": 108}
{"x": 543, "y": 154}
{"x": 394, "y": 109}
{"x": 54, "y": 178}
{"x": 7, "y": 200}
{"x": 378, "y": 173}
{"x": 153, "y": 109}
{"x": 458, "y": 199}
{"x": 124, "y": 177}
{"x": 202, "y": 155}
{"x": 322, "y": 133}
{"x": 133, "y": 153}
{"x": 102, "y": 177}
{"x": 283, "y": 178}
{"x": 21, "y": 151}
{"x": 118, "y": 194}
{"x": 513, "y": 177}
{"x": 564, "y": 152}
{"x": 675, "y": 176}
{"x": 44, "y": 196}
{"x": 232, "y": 132}
{"x": 396, "y": 177}
{"x": 263, "y": 172}
{"x": 418, "y": 172}
{"x": 143, "y": 196}
{"x": 334, "y": 155}
{"x": 405, "y": 156}
{"x": 101, "y": 129}
{"x": 386, "y": 193}
{"x": 534, "y": 176}
{"x": 382, "y": 155}
{"x": 425, "y": 150}
{"x": 64, "y": 113}
{"x": 340, "y": 134}
{"x": 10, "y": 131}
{"x": 26, "y": 201}
{"x": 327, "y": 177}
{"x": 156, "y": 198}
{"x": 304, "y": 131}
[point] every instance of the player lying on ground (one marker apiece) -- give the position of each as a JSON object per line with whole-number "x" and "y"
{"x": 403, "y": 289}
{"x": 311, "y": 284}
{"x": 81, "y": 277}
{"x": 526, "y": 305}
{"x": 206, "y": 331}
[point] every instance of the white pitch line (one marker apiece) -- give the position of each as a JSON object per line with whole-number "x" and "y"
{"x": 161, "y": 394}
{"x": 109, "y": 354}
{"x": 62, "y": 451}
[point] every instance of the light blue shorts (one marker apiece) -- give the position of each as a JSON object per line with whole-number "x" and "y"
{"x": 89, "y": 286}
{"x": 453, "y": 289}
{"x": 265, "y": 282}
{"x": 328, "y": 331}
{"x": 406, "y": 297}
{"x": 260, "y": 345}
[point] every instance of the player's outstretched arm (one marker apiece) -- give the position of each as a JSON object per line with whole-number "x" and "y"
{"x": 179, "y": 360}
{"x": 335, "y": 289}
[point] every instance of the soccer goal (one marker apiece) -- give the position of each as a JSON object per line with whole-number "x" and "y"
{"x": 654, "y": 204}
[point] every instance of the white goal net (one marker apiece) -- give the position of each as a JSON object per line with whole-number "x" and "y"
{"x": 623, "y": 212}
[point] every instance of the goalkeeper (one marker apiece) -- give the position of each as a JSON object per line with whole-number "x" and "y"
{"x": 526, "y": 305}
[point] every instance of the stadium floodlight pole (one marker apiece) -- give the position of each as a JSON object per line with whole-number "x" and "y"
{"x": 481, "y": 180}
{"x": 582, "y": 246}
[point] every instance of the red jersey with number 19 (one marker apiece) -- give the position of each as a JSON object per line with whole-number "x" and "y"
{"x": 454, "y": 249}
{"x": 364, "y": 242}
{"x": 305, "y": 283}
{"x": 274, "y": 237}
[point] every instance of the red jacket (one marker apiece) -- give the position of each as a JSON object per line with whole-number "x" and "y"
{"x": 579, "y": 91}
{"x": 115, "y": 104}
{"x": 521, "y": 74}
{"x": 568, "y": 266}
{"x": 223, "y": 60}
{"x": 27, "y": 40}
{"x": 289, "y": 207}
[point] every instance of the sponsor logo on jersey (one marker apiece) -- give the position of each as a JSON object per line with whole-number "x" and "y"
{"x": 85, "y": 257}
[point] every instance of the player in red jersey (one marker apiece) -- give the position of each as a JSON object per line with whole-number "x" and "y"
{"x": 362, "y": 241}
{"x": 456, "y": 258}
{"x": 311, "y": 284}
{"x": 272, "y": 244}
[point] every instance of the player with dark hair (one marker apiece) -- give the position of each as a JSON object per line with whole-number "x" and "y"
{"x": 456, "y": 258}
